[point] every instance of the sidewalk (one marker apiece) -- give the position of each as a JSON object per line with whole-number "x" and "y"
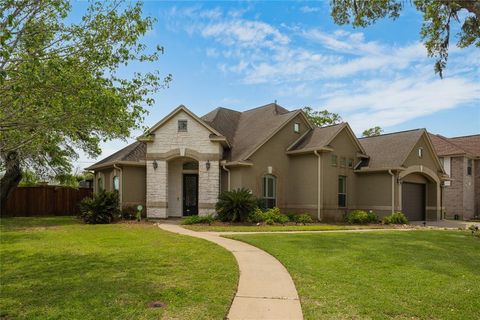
{"x": 265, "y": 288}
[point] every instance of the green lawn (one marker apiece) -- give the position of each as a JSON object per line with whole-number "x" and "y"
{"x": 57, "y": 268}
{"x": 278, "y": 228}
{"x": 381, "y": 275}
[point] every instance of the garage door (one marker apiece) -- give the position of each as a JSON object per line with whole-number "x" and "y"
{"x": 413, "y": 201}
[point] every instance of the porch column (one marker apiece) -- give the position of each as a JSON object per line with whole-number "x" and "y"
{"x": 208, "y": 186}
{"x": 157, "y": 188}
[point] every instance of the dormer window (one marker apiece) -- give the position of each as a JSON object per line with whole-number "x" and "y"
{"x": 182, "y": 125}
{"x": 296, "y": 127}
{"x": 420, "y": 152}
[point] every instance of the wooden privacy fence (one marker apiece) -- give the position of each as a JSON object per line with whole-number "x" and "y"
{"x": 45, "y": 201}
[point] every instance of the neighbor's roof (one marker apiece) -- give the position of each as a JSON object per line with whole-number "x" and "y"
{"x": 318, "y": 138}
{"x": 456, "y": 146}
{"x": 390, "y": 150}
{"x": 132, "y": 153}
{"x": 469, "y": 143}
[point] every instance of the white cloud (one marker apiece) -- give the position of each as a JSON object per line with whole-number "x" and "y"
{"x": 308, "y": 9}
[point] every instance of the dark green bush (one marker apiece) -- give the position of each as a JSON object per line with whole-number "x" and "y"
{"x": 129, "y": 213}
{"x": 235, "y": 205}
{"x": 361, "y": 217}
{"x": 270, "y": 216}
{"x": 395, "y": 218}
{"x": 199, "y": 220}
{"x": 102, "y": 207}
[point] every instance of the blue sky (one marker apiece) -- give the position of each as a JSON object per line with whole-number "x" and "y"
{"x": 241, "y": 55}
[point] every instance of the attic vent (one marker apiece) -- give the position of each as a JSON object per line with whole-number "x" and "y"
{"x": 182, "y": 125}
{"x": 420, "y": 152}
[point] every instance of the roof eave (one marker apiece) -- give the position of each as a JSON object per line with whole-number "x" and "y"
{"x": 310, "y": 150}
{"x": 112, "y": 163}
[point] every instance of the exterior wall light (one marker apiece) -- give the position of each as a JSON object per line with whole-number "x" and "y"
{"x": 207, "y": 165}
{"x": 155, "y": 164}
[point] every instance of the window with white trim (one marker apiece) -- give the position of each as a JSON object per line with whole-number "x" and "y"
{"x": 100, "y": 184}
{"x": 296, "y": 127}
{"x": 116, "y": 183}
{"x": 420, "y": 152}
{"x": 333, "y": 160}
{"x": 270, "y": 191}
{"x": 342, "y": 191}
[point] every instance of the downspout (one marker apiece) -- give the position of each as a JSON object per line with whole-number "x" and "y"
{"x": 393, "y": 189}
{"x": 319, "y": 184}
{"x": 120, "y": 187}
{"x": 228, "y": 175}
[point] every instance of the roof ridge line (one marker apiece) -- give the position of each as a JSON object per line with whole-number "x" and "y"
{"x": 396, "y": 132}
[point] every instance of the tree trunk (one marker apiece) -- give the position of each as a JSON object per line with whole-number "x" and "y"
{"x": 8, "y": 183}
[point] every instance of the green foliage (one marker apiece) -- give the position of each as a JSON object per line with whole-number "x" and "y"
{"x": 361, "y": 217}
{"x": 321, "y": 118}
{"x": 129, "y": 213}
{"x": 303, "y": 218}
{"x": 395, "y": 218}
{"x": 61, "y": 85}
{"x": 101, "y": 208}
{"x": 475, "y": 230}
{"x": 235, "y": 205}
{"x": 208, "y": 219}
{"x": 371, "y": 132}
{"x": 270, "y": 216}
{"x": 438, "y": 15}
{"x": 29, "y": 179}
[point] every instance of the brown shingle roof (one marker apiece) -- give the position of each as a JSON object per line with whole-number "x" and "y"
{"x": 224, "y": 121}
{"x": 318, "y": 137}
{"x": 390, "y": 150}
{"x": 133, "y": 152}
{"x": 247, "y": 130}
{"x": 444, "y": 146}
{"x": 469, "y": 143}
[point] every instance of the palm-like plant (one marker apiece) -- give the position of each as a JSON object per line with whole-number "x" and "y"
{"x": 235, "y": 205}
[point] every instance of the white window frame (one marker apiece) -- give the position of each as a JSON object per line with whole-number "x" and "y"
{"x": 266, "y": 188}
{"x": 116, "y": 178}
{"x": 296, "y": 127}
{"x": 420, "y": 152}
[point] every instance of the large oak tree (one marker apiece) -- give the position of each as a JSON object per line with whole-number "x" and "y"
{"x": 60, "y": 87}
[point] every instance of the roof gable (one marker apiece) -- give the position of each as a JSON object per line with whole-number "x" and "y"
{"x": 180, "y": 108}
{"x": 134, "y": 152}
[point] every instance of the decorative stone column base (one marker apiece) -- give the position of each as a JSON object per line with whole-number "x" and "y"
{"x": 157, "y": 213}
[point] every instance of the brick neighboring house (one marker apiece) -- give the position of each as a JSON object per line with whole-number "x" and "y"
{"x": 460, "y": 157}
{"x": 183, "y": 162}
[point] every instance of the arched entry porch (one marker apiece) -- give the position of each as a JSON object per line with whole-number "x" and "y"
{"x": 419, "y": 196}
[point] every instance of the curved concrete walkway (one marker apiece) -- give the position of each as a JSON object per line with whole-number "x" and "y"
{"x": 265, "y": 288}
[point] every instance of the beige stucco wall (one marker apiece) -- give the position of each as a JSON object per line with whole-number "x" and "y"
{"x": 343, "y": 146}
{"x": 302, "y": 184}
{"x": 271, "y": 154}
{"x": 133, "y": 183}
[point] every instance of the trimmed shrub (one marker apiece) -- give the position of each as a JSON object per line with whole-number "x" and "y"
{"x": 303, "y": 218}
{"x": 100, "y": 208}
{"x": 235, "y": 205}
{"x": 270, "y": 216}
{"x": 361, "y": 217}
{"x": 395, "y": 218}
{"x": 199, "y": 220}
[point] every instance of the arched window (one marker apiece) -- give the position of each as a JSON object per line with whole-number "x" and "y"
{"x": 100, "y": 184}
{"x": 191, "y": 165}
{"x": 116, "y": 183}
{"x": 270, "y": 191}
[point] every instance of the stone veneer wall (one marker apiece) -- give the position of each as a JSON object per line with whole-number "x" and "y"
{"x": 208, "y": 186}
{"x": 169, "y": 144}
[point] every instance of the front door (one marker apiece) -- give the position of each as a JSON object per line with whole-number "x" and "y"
{"x": 190, "y": 194}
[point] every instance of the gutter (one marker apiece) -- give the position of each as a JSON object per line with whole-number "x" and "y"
{"x": 120, "y": 185}
{"x": 228, "y": 174}
{"x": 393, "y": 189}
{"x": 319, "y": 185}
